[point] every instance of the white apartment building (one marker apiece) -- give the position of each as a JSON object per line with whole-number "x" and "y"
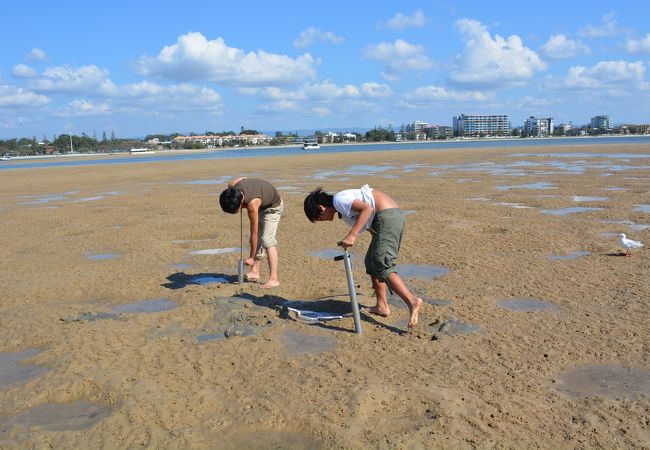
{"x": 215, "y": 140}
{"x": 534, "y": 126}
{"x": 601, "y": 122}
{"x": 481, "y": 125}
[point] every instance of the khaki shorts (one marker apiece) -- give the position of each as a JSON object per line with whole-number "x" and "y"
{"x": 387, "y": 231}
{"x": 268, "y": 227}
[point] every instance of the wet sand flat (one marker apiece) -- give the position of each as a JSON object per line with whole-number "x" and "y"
{"x": 156, "y": 377}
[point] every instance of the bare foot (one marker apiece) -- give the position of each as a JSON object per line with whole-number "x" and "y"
{"x": 250, "y": 276}
{"x": 270, "y": 284}
{"x": 376, "y": 310}
{"x": 414, "y": 311}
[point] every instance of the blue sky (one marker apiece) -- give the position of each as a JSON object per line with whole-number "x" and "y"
{"x": 144, "y": 67}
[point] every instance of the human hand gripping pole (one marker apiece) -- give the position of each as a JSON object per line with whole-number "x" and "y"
{"x": 351, "y": 288}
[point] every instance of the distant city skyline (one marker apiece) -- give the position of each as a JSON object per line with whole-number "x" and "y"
{"x": 157, "y": 68}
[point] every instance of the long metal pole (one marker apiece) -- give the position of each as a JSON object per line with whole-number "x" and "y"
{"x": 353, "y": 292}
{"x": 240, "y": 273}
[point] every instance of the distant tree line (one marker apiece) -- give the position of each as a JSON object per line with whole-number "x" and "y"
{"x": 381, "y": 135}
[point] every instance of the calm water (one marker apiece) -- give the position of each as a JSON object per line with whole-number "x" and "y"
{"x": 343, "y": 148}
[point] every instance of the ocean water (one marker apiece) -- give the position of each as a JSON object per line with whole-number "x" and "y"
{"x": 342, "y": 148}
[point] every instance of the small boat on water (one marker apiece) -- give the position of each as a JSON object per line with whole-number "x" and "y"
{"x": 141, "y": 151}
{"x": 310, "y": 145}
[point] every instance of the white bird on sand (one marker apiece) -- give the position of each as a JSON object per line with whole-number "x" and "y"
{"x": 628, "y": 244}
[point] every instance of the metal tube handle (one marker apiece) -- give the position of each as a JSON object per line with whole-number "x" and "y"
{"x": 351, "y": 288}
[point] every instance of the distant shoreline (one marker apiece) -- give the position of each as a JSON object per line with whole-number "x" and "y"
{"x": 325, "y": 145}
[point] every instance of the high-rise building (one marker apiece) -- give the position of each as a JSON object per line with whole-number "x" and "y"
{"x": 534, "y": 126}
{"x": 481, "y": 125}
{"x": 600, "y": 122}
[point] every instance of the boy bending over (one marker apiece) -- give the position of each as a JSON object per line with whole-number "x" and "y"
{"x": 264, "y": 207}
{"x": 372, "y": 210}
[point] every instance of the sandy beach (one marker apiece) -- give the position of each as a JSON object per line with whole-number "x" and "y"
{"x": 121, "y": 326}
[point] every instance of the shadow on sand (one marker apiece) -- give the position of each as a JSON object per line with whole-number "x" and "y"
{"x": 324, "y": 304}
{"x": 180, "y": 280}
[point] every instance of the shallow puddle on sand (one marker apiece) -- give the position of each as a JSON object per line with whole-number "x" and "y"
{"x": 215, "y": 251}
{"x": 208, "y": 279}
{"x": 567, "y": 211}
{"x": 513, "y": 205}
{"x": 604, "y": 380}
{"x": 631, "y": 225}
{"x": 538, "y": 185}
{"x": 421, "y": 271}
{"x": 210, "y": 337}
{"x": 12, "y": 370}
{"x": 299, "y": 343}
{"x": 453, "y": 327}
{"x": 571, "y": 256}
{"x": 145, "y": 306}
{"x": 100, "y": 256}
{"x": 642, "y": 208}
{"x": 331, "y": 253}
{"x": 586, "y": 198}
{"x": 89, "y": 199}
{"x": 328, "y": 253}
{"x": 357, "y": 170}
{"x": 523, "y": 304}
{"x": 47, "y": 199}
{"x": 73, "y": 416}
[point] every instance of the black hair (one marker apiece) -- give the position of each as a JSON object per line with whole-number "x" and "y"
{"x": 230, "y": 200}
{"x": 313, "y": 200}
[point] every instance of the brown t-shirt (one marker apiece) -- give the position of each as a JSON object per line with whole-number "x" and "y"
{"x": 262, "y": 189}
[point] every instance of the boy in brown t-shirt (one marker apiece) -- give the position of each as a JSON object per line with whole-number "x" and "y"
{"x": 264, "y": 207}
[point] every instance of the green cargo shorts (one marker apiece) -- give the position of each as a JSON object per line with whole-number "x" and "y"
{"x": 387, "y": 230}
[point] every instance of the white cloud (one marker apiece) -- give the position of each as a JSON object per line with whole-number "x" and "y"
{"x": 429, "y": 96}
{"x": 36, "y": 54}
{"x": 86, "y": 80}
{"x": 279, "y": 106}
{"x": 559, "y": 46}
{"x": 11, "y": 96}
{"x": 23, "y": 71}
{"x": 400, "y": 56}
{"x": 440, "y": 93}
{"x": 310, "y": 35}
{"x": 605, "y": 75}
{"x": 327, "y": 91}
{"x": 488, "y": 62}
{"x": 322, "y": 111}
{"x": 147, "y": 96}
{"x": 638, "y": 45}
{"x": 193, "y": 57}
{"x": 375, "y": 90}
{"x": 401, "y": 21}
{"x": 607, "y": 28}
{"x": 85, "y": 108}
{"x": 322, "y": 98}
{"x": 142, "y": 89}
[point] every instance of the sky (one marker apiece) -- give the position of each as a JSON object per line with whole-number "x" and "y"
{"x": 143, "y": 67}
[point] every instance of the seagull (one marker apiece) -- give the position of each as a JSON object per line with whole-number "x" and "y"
{"x": 628, "y": 244}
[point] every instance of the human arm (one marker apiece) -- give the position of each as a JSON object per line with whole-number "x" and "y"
{"x": 235, "y": 181}
{"x": 365, "y": 211}
{"x": 252, "y": 209}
